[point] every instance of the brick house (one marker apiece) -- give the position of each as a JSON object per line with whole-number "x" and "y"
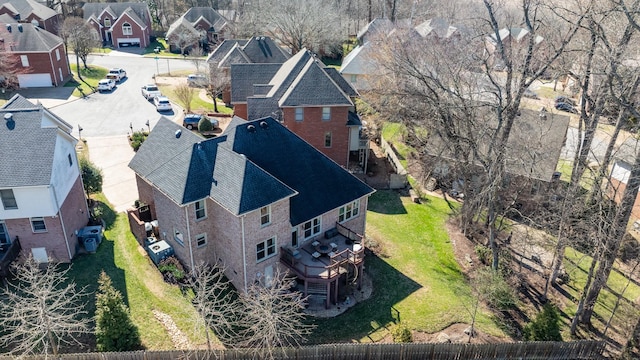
{"x": 32, "y": 12}
{"x": 120, "y": 24}
{"x": 43, "y": 200}
{"x": 255, "y": 198}
{"x": 619, "y": 174}
{"x": 312, "y": 100}
{"x": 206, "y": 23}
{"x": 40, "y": 57}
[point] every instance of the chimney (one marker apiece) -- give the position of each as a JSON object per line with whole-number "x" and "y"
{"x": 20, "y": 27}
{"x": 8, "y": 117}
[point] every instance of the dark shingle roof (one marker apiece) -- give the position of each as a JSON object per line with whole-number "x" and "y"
{"x": 139, "y": 8}
{"x": 31, "y": 38}
{"x": 216, "y": 20}
{"x": 257, "y": 50}
{"x": 222, "y": 49}
{"x": 341, "y": 82}
{"x": 244, "y": 76}
{"x": 313, "y": 86}
{"x": 26, "y": 7}
{"x": 248, "y": 167}
{"x": 28, "y": 148}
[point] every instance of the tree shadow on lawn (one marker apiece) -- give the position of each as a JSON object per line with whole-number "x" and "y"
{"x": 366, "y": 318}
{"x": 386, "y": 202}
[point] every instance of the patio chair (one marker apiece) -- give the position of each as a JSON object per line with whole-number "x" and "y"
{"x": 316, "y": 256}
{"x": 334, "y": 246}
{"x": 315, "y": 243}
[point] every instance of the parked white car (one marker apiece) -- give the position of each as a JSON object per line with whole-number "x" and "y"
{"x": 106, "y": 85}
{"x": 150, "y": 91}
{"x": 197, "y": 80}
{"x": 119, "y": 72}
{"x": 162, "y": 103}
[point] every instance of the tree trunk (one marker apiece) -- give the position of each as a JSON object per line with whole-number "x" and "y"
{"x": 78, "y": 67}
{"x": 579, "y": 309}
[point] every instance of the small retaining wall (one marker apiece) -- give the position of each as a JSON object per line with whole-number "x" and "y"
{"x": 398, "y": 180}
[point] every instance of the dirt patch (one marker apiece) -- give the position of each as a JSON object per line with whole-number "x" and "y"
{"x": 455, "y": 333}
{"x": 180, "y": 340}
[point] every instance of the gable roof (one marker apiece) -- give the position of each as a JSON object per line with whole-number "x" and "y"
{"x": 439, "y": 28}
{"x": 246, "y": 168}
{"x": 19, "y": 167}
{"x": 359, "y": 61}
{"x": 377, "y": 26}
{"x": 244, "y": 76}
{"x": 30, "y": 38}
{"x": 257, "y": 50}
{"x": 27, "y": 7}
{"x": 334, "y": 74}
{"x": 140, "y": 10}
{"x": 184, "y": 24}
{"x": 214, "y": 18}
{"x": 131, "y": 14}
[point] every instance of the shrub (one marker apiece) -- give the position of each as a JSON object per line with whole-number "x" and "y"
{"x": 114, "y": 329}
{"x": 172, "y": 270}
{"x": 493, "y": 287}
{"x": 205, "y": 124}
{"x": 545, "y": 327}
{"x": 137, "y": 138}
{"x": 91, "y": 176}
{"x": 484, "y": 254}
{"x": 401, "y": 334}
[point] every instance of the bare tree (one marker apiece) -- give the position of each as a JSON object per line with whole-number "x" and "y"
{"x": 196, "y": 56}
{"x": 41, "y": 310}
{"x": 185, "y": 95}
{"x": 9, "y": 69}
{"x": 272, "y": 316}
{"x": 217, "y": 83}
{"x": 184, "y": 38}
{"x": 80, "y": 37}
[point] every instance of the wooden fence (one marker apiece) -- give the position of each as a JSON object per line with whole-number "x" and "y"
{"x": 578, "y": 350}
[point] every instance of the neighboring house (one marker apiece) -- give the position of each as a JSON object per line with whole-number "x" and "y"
{"x": 42, "y": 57}
{"x": 256, "y": 50}
{"x": 310, "y": 99}
{"x": 43, "y": 200}
{"x": 254, "y": 198}
{"x": 623, "y": 161}
{"x": 32, "y": 12}
{"x": 206, "y": 23}
{"x": 514, "y": 40}
{"x": 440, "y": 30}
{"x": 359, "y": 66}
{"x": 120, "y": 24}
{"x": 375, "y": 29}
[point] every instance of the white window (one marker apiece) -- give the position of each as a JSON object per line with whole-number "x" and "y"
{"x": 38, "y": 225}
{"x": 354, "y": 78}
{"x": 266, "y": 249}
{"x": 265, "y": 215}
{"x": 326, "y": 113}
{"x": 311, "y": 227}
{"x": 107, "y": 22}
{"x": 58, "y": 54}
{"x": 299, "y": 114}
{"x": 25, "y": 60}
{"x": 126, "y": 29}
{"x": 201, "y": 240}
{"x": 349, "y": 211}
{"x": 201, "y": 209}
{"x": 8, "y": 199}
{"x": 327, "y": 139}
{"x": 95, "y": 35}
{"x": 178, "y": 237}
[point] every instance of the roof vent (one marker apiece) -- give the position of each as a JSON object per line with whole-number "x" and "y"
{"x": 8, "y": 116}
{"x": 20, "y": 27}
{"x": 178, "y": 133}
{"x": 251, "y": 128}
{"x": 263, "y": 124}
{"x": 9, "y": 27}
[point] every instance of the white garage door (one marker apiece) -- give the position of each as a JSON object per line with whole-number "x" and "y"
{"x": 122, "y": 42}
{"x": 34, "y": 80}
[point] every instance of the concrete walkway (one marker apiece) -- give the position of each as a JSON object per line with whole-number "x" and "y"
{"x": 112, "y": 154}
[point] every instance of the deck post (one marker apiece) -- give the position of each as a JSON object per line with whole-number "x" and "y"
{"x": 335, "y": 292}
{"x": 327, "y": 302}
{"x": 306, "y": 288}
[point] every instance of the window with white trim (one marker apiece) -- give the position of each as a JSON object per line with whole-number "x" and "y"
{"x": 266, "y": 249}
{"x": 178, "y": 236}
{"x": 126, "y": 29}
{"x": 349, "y": 211}
{"x": 38, "y": 225}
{"x": 312, "y": 227}
{"x": 201, "y": 209}
{"x": 299, "y": 114}
{"x": 327, "y": 139}
{"x": 8, "y": 199}
{"x": 354, "y": 78}
{"x": 107, "y": 22}
{"x": 201, "y": 240}
{"x": 326, "y": 113}
{"x": 265, "y": 215}
{"x": 25, "y": 60}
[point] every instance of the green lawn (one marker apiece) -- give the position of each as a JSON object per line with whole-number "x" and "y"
{"x": 140, "y": 282}
{"x": 418, "y": 280}
{"x": 197, "y": 104}
{"x": 394, "y": 133}
{"x": 577, "y": 266}
{"x": 90, "y": 78}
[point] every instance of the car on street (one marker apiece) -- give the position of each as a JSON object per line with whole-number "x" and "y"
{"x": 120, "y": 73}
{"x": 191, "y": 121}
{"x": 106, "y": 85}
{"x": 566, "y": 107}
{"x": 162, "y": 103}
{"x": 564, "y": 99}
{"x": 197, "y": 80}
{"x": 150, "y": 91}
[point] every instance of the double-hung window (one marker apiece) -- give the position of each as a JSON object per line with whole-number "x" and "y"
{"x": 8, "y": 199}
{"x": 38, "y": 225}
{"x": 265, "y": 215}
{"x": 326, "y": 113}
{"x": 349, "y": 211}
{"x": 311, "y": 227}
{"x": 299, "y": 114}
{"x": 126, "y": 29}
{"x": 266, "y": 249}
{"x": 201, "y": 209}
{"x": 201, "y": 240}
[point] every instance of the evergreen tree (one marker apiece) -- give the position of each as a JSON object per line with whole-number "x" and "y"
{"x": 546, "y": 325}
{"x": 114, "y": 329}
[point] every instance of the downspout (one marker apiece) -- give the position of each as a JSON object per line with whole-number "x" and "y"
{"x": 186, "y": 217}
{"x": 64, "y": 230}
{"x": 244, "y": 255}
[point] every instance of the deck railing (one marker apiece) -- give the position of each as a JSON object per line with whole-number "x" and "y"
{"x": 351, "y": 235}
{"x": 322, "y": 272}
{"x": 12, "y": 253}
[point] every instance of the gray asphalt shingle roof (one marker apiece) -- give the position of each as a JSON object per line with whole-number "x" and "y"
{"x": 30, "y": 38}
{"x": 138, "y": 8}
{"x": 26, "y": 7}
{"x": 334, "y": 74}
{"x": 257, "y": 50}
{"x": 244, "y": 76}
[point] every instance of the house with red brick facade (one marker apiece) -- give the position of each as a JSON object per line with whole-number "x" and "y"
{"x": 310, "y": 99}
{"x": 39, "y": 56}
{"x": 32, "y": 12}
{"x": 43, "y": 200}
{"x": 206, "y": 24}
{"x": 120, "y": 25}
{"x": 257, "y": 198}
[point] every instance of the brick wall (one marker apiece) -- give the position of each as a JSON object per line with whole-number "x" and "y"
{"x": 116, "y": 32}
{"x": 240, "y": 110}
{"x": 73, "y": 213}
{"x": 145, "y": 194}
{"x": 312, "y": 129}
{"x": 39, "y": 63}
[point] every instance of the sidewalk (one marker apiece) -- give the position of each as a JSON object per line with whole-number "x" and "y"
{"x": 112, "y": 155}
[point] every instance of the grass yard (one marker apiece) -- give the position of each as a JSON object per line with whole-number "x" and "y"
{"x": 90, "y": 78}
{"x": 577, "y": 266}
{"x": 197, "y": 104}
{"x": 394, "y": 133}
{"x": 141, "y": 284}
{"x": 417, "y": 281}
